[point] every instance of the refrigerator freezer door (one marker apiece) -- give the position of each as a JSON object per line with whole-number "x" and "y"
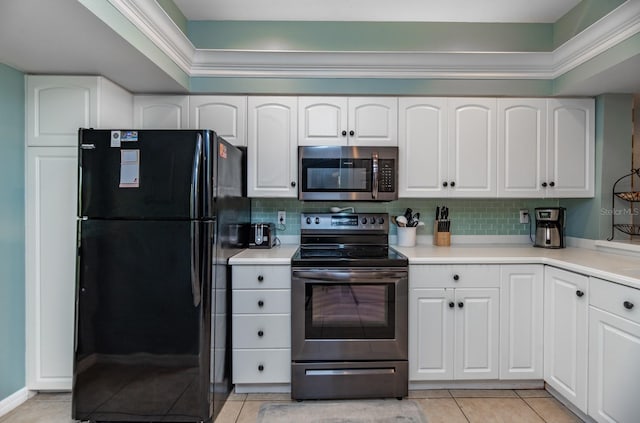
{"x": 146, "y": 174}
{"x": 143, "y": 324}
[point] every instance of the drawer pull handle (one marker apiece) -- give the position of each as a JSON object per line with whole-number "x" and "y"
{"x": 260, "y": 303}
{"x": 452, "y": 304}
{"x": 460, "y": 304}
{"x": 628, "y": 305}
{"x": 260, "y": 333}
{"x": 579, "y": 293}
{"x": 456, "y": 277}
{"x": 260, "y": 278}
{"x": 260, "y": 367}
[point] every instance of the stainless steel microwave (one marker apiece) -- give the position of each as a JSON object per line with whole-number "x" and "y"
{"x": 334, "y": 173}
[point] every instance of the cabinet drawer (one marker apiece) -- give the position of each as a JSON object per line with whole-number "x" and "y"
{"x": 262, "y": 366}
{"x": 454, "y": 276}
{"x": 615, "y": 298}
{"x": 262, "y": 301}
{"x": 259, "y": 277}
{"x": 272, "y": 331}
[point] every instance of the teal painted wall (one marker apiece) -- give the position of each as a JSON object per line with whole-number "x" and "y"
{"x": 580, "y": 17}
{"x": 591, "y": 218}
{"x": 370, "y": 36}
{"x": 12, "y": 232}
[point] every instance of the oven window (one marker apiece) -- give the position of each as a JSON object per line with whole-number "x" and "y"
{"x": 336, "y": 175}
{"x": 350, "y": 311}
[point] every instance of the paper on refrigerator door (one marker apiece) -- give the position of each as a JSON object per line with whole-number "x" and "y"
{"x": 129, "y": 168}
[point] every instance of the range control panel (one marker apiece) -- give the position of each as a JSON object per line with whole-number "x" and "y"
{"x": 344, "y": 221}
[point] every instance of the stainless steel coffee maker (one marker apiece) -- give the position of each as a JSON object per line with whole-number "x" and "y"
{"x": 550, "y": 227}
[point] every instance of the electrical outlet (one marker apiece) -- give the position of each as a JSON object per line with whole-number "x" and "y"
{"x": 282, "y": 217}
{"x": 524, "y": 216}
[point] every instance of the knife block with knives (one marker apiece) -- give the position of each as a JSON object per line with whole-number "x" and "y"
{"x": 442, "y": 227}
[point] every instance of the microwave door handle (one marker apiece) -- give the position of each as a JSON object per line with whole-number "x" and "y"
{"x": 374, "y": 180}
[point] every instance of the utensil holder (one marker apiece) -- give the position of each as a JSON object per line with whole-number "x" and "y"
{"x": 407, "y": 236}
{"x": 440, "y": 239}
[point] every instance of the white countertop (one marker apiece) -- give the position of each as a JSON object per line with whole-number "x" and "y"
{"x": 276, "y": 255}
{"x": 613, "y": 267}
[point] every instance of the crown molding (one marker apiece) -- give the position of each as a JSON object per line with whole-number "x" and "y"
{"x": 154, "y": 23}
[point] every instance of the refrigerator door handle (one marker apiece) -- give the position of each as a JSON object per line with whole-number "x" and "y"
{"x": 195, "y": 180}
{"x": 195, "y": 263}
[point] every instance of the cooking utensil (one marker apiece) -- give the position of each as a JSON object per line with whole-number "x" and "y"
{"x": 401, "y": 221}
{"x": 340, "y": 210}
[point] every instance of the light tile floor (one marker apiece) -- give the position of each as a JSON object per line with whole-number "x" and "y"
{"x": 450, "y": 406}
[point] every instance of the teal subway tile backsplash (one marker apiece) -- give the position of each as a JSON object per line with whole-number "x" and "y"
{"x": 468, "y": 216}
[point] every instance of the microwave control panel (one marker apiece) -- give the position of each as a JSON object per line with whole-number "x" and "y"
{"x": 387, "y": 176}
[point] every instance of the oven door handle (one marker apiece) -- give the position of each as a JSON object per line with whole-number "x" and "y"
{"x": 348, "y": 276}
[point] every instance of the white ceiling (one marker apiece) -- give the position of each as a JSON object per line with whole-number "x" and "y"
{"x": 378, "y": 10}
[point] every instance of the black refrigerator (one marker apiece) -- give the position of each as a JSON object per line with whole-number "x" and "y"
{"x": 159, "y": 214}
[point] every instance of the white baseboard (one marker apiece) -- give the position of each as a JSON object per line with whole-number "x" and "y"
{"x": 13, "y": 401}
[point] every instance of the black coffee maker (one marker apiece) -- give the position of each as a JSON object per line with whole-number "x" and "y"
{"x": 550, "y": 227}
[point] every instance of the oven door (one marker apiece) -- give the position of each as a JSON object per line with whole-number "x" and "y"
{"x": 349, "y": 314}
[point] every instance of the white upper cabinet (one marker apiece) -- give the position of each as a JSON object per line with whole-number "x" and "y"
{"x": 570, "y": 148}
{"x": 226, "y": 115}
{"x": 522, "y": 136}
{"x": 57, "y": 106}
{"x": 272, "y": 156}
{"x": 423, "y": 146}
{"x": 472, "y": 147}
{"x": 161, "y": 112}
{"x": 545, "y": 148}
{"x": 365, "y": 121}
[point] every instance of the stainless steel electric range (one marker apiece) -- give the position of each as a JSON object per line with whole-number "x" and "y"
{"x": 348, "y": 309}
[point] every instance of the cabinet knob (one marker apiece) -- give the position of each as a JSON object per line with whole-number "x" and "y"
{"x": 260, "y": 333}
{"x": 456, "y": 277}
{"x": 453, "y": 184}
{"x": 544, "y": 185}
{"x": 445, "y": 184}
{"x": 628, "y": 305}
{"x": 460, "y": 304}
{"x": 552, "y": 184}
{"x": 260, "y": 303}
{"x": 344, "y": 133}
{"x": 260, "y": 278}
{"x": 351, "y": 133}
{"x": 579, "y": 293}
{"x": 293, "y": 184}
{"x": 260, "y": 367}
{"x": 452, "y": 304}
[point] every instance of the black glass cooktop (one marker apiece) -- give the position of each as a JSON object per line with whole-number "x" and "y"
{"x": 348, "y": 255}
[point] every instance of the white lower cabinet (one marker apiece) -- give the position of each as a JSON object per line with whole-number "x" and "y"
{"x": 614, "y": 351}
{"x": 565, "y": 334}
{"x": 453, "y": 322}
{"x": 51, "y": 202}
{"x": 261, "y": 325}
{"x": 521, "y": 321}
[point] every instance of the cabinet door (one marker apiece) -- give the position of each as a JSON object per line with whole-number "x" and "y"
{"x": 322, "y": 121}
{"x": 472, "y": 147}
{"x": 161, "y": 112}
{"x": 57, "y": 106}
{"x": 614, "y": 382}
{"x": 272, "y": 158}
{"x": 521, "y": 295}
{"x": 477, "y": 328}
{"x": 50, "y": 268}
{"x": 570, "y": 148}
{"x": 565, "y": 333}
{"x": 423, "y": 147}
{"x": 226, "y": 115}
{"x": 431, "y": 322}
{"x": 374, "y": 121}
{"x": 522, "y": 135}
